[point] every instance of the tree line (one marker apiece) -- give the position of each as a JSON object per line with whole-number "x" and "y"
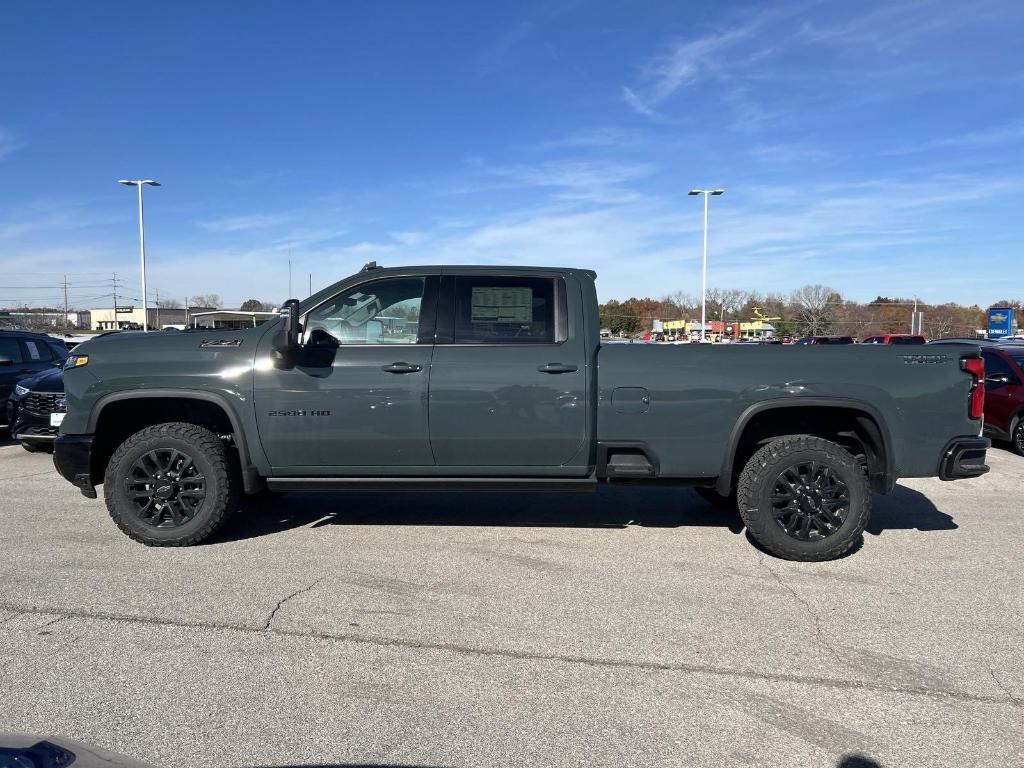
{"x": 808, "y": 311}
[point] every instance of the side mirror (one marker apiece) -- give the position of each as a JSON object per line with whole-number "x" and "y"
{"x": 286, "y": 338}
{"x": 6, "y": 361}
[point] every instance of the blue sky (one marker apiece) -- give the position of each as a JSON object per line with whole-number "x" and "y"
{"x": 873, "y": 147}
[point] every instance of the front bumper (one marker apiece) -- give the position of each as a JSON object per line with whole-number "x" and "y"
{"x": 72, "y": 456}
{"x": 964, "y": 457}
{"x": 30, "y": 426}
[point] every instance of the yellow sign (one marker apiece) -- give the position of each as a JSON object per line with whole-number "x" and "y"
{"x": 760, "y": 316}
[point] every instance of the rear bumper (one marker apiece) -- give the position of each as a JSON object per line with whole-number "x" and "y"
{"x": 72, "y": 456}
{"x": 964, "y": 457}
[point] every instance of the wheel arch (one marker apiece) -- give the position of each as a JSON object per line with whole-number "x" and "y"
{"x": 868, "y": 426}
{"x": 162, "y": 405}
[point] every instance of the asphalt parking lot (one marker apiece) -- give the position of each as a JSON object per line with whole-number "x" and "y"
{"x": 626, "y": 628}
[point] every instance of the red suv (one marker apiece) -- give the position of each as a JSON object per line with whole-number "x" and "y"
{"x": 1004, "y": 393}
{"x": 895, "y": 338}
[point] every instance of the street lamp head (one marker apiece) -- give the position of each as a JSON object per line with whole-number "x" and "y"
{"x": 127, "y": 182}
{"x": 694, "y": 192}
{"x": 152, "y": 183}
{"x": 717, "y": 191}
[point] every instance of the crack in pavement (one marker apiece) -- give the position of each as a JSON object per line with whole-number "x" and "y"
{"x": 463, "y": 650}
{"x": 819, "y": 633}
{"x": 999, "y": 684}
{"x": 282, "y": 601}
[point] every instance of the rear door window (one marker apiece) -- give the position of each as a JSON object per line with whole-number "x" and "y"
{"x": 506, "y": 310}
{"x": 906, "y": 340}
{"x": 996, "y": 366}
{"x": 36, "y": 351}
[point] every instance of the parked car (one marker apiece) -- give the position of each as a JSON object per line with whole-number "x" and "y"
{"x": 895, "y": 338}
{"x": 501, "y": 384}
{"x": 24, "y": 354}
{"x": 964, "y": 340}
{"x": 35, "y": 409}
{"x": 825, "y": 340}
{"x": 1004, "y": 393}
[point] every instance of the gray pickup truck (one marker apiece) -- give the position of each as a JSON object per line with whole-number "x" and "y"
{"x": 494, "y": 378}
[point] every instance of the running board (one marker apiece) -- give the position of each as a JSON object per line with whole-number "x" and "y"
{"x": 549, "y": 484}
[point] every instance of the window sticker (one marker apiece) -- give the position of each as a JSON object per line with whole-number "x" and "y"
{"x": 33, "y": 350}
{"x": 502, "y": 305}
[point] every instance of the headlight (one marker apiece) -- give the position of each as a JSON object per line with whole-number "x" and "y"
{"x": 75, "y": 361}
{"x": 20, "y": 390}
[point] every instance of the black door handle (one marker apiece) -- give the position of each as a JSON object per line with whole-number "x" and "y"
{"x": 402, "y": 368}
{"x": 557, "y": 368}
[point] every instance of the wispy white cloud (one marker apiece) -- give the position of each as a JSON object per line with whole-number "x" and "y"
{"x": 999, "y": 134}
{"x": 571, "y": 180}
{"x": 242, "y": 223}
{"x": 893, "y": 26}
{"x": 601, "y": 137}
{"x": 789, "y": 153}
{"x": 9, "y": 143}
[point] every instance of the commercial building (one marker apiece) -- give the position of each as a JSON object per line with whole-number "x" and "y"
{"x": 131, "y": 317}
{"x": 229, "y": 319}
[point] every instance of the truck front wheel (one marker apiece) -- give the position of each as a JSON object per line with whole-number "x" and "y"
{"x": 170, "y": 485}
{"x": 804, "y": 498}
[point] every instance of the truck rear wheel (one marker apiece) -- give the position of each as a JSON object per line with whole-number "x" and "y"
{"x": 804, "y": 498}
{"x": 170, "y": 485}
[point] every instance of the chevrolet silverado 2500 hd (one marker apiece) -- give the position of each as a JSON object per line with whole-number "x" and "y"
{"x": 494, "y": 378}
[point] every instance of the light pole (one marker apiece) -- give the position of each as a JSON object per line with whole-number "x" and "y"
{"x": 140, "y": 183}
{"x": 704, "y": 262}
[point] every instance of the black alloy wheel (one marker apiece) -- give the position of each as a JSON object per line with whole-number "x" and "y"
{"x": 1018, "y": 438}
{"x": 165, "y": 487}
{"x": 803, "y": 497}
{"x": 809, "y": 501}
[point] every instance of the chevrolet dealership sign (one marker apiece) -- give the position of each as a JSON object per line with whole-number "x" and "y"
{"x": 1000, "y": 322}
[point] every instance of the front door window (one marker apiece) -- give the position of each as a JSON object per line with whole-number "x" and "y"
{"x": 379, "y": 312}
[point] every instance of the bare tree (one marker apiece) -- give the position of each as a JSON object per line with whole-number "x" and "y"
{"x": 205, "y": 300}
{"x": 169, "y": 304}
{"x": 815, "y": 309}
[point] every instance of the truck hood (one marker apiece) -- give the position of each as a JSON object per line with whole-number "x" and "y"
{"x": 171, "y": 344}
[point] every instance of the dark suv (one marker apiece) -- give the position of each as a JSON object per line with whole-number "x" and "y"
{"x": 23, "y": 355}
{"x": 1004, "y": 393}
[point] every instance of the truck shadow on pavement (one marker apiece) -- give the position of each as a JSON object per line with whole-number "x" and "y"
{"x": 608, "y": 507}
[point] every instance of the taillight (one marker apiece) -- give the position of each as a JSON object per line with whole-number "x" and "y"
{"x": 976, "y": 402}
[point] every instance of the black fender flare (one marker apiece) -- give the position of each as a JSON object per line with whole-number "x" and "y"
{"x": 888, "y": 479}
{"x": 250, "y": 476}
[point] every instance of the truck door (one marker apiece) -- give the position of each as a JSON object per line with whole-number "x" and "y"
{"x": 355, "y": 402}
{"x": 508, "y": 382}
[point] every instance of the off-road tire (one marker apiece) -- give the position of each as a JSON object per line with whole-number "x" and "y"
{"x": 715, "y": 499}
{"x": 210, "y": 458}
{"x": 757, "y": 484}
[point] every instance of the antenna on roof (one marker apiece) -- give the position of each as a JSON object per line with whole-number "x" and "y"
{"x": 369, "y": 266}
